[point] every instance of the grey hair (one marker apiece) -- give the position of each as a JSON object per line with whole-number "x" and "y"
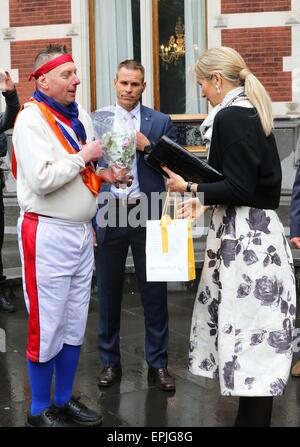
{"x": 131, "y": 64}
{"x": 48, "y": 53}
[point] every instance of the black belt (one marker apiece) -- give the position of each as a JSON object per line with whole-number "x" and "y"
{"x": 128, "y": 203}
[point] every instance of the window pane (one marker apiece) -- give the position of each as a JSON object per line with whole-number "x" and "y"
{"x": 181, "y": 27}
{"x": 117, "y": 37}
{"x": 136, "y": 29}
{"x": 171, "y": 72}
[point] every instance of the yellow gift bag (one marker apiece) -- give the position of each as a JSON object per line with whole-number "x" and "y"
{"x": 169, "y": 247}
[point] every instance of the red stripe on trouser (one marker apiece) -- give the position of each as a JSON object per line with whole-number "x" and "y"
{"x": 29, "y": 230}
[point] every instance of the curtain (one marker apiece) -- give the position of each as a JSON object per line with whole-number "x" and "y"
{"x": 194, "y": 18}
{"x": 113, "y": 42}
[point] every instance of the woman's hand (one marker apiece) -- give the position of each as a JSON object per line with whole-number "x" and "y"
{"x": 191, "y": 208}
{"x": 175, "y": 183}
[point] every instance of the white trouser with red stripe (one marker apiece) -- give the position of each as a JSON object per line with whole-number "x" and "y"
{"x": 57, "y": 266}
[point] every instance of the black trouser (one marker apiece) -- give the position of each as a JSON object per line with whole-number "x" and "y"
{"x": 254, "y": 412}
{"x": 110, "y": 266}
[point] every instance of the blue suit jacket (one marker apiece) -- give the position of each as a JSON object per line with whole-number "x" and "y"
{"x": 295, "y": 207}
{"x": 153, "y": 125}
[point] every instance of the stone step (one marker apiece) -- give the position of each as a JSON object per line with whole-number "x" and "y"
{"x": 13, "y": 271}
{"x": 12, "y": 212}
{"x": 12, "y": 263}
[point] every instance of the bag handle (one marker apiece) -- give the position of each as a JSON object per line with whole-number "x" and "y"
{"x": 167, "y": 220}
{"x": 167, "y": 205}
{"x": 175, "y": 209}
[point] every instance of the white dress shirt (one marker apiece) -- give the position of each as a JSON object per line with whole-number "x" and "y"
{"x": 130, "y": 120}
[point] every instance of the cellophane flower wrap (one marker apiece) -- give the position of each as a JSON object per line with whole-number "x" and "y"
{"x": 118, "y": 138}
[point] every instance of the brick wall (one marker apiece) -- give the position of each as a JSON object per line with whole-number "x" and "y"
{"x": 39, "y": 12}
{"x": 243, "y": 6}
{"x": 22, "y": 57}
{"x": 263, "y": 50}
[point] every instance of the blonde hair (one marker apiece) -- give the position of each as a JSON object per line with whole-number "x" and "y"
{"x": 232, "y": 67}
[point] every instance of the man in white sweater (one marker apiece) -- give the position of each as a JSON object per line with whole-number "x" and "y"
{"x": 57, "y": 189}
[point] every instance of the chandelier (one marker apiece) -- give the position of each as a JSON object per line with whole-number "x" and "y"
{"x": 175, "y": 48}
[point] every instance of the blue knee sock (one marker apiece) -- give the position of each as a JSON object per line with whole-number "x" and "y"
{"x": 40, "y": 375}
{"x": 66, "y": 363}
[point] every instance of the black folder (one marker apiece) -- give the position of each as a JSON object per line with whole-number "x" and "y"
{"x": 181, "y": 161}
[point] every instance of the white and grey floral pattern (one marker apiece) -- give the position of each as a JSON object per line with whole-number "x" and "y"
{"x": 245, "y": 308}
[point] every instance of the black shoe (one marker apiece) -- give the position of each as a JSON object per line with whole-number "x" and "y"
{"x": 46, "y": 418}
{"x": 161, "y": 378}
{"x": 76, "y": 411}
{"x": 5, "y": 305}
{"x": 110, "y": 375}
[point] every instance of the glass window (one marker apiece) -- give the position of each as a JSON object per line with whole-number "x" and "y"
{"x": 171, "y": 60}
{"x": 136, "y": 29}
{"x": 116, "y": 39}
{"x": 177, "y": 36}
{"x": 182, "y": 36}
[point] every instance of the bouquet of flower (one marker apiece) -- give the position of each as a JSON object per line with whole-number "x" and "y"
{"x": 119, "y": 141}
{"x": 120, "y": 148}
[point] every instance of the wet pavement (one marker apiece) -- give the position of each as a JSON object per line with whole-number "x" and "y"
{"x": 132, "y": 403}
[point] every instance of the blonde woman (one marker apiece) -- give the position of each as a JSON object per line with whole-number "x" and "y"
{"x": 244, "y": 311}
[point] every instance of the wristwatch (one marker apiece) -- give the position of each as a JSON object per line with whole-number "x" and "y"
{"x": 147, "y": 149}
{"x": 189, "y": 187}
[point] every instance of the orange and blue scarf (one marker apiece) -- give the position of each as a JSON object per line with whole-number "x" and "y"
{"x": 50, "y": 109}
{"x": 67, "y": 114}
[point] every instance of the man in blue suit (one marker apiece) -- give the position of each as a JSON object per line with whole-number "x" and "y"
{"x": 113, "y": 241}
{"x": 295, "y": 212}
{"x": 295, "y": 236}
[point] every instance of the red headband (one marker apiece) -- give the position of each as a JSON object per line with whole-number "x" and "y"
{"x": 59, "y": 60}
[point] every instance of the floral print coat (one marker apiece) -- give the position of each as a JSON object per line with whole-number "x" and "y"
{"x": 244, "y": 312}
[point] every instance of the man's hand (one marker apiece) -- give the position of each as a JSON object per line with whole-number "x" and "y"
{"x": 126, "y": 181}
{"x": 9, "y": 86}
{"x": 92, "y": 151}
{"x": 141, "y": 141}
{"x": 123, "y": 178}
{"x": 296, "y": 242}
{"x": 107, "y": 175}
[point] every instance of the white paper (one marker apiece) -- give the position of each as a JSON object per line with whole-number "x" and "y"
{"x": 171, "y": 266}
